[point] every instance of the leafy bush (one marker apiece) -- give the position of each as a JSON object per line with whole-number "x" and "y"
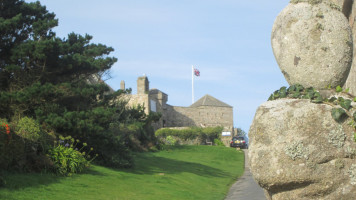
{"x": 212, "y": 132}
{"x": 5, "y": 158}
{"x": 13, "y": 154}
{"x": 112, "y": 149}
{"x": 29, "y": 129}
{"x": 202, "y": 134}
{"x": 218, "y": 142}
{"x": 68, "y": 159}
{"x": 170, "y": 140}
{"x": 134, "y": 135}
{"x": 4, "y": 132}
{"x": 26, "y": 146}
{"x": 129, "y": 131}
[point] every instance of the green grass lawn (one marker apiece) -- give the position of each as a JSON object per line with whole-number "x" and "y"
{"x": 183, "y": 172}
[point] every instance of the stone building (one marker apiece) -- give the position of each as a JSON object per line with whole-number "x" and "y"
{"x": 206, "y": 112}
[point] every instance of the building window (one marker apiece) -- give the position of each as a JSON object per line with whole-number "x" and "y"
{"x": 153, "y": 105}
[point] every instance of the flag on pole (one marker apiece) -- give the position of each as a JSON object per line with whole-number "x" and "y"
{"x": 196, "y": 72}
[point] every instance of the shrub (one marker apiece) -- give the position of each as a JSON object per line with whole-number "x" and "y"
{"x": 212, "y": 132}
{"x": 112, "y": 149}
{"x": 134, "y": 135}
{"x": 12, "y": 152}
{"x": 29, "y": 129}
{"x": 5, "y": 158}
{"x": 193, "y": 133}
{"x": 218, "y": 142}
{"x": 115, "y": 145}
{"x": 170, "y": 140}
{"x": 26, "y": 147}
{"x": 4, "y": 133}
{"x": 67, "y": 159}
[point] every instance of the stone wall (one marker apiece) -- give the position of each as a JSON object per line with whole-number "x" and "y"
{"x": 158, "y": 102}
{"x": 226, "y": 140}
{"x": 203, "y": 116}
{"x": 155, "y": 100}
{"x": 139, "y": 99}
{"x": 176, "y": 116}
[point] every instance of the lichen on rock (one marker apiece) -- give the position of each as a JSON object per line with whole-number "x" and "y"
{"x": 304, "y": 140}
{"x": 318, "y": 34}
{"x": 307, "y": 151}
{"x": 296, "y": 150}
{"x": 350, "y": 152}
{"x": 352, "y": 174}
{"x": 339, "y": 164}
{"x": 337, "y": 137}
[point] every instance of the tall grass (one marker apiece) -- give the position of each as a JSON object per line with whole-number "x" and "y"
{"x": 183, "y": 172}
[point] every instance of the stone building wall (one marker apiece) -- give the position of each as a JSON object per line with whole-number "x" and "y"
{"x": 203, "y": 116}
{"x": 142, "y": 97}
{"x": 176, "y": 116}
{"x": 158, "y": 103}
{"x": 142, "y": 85}
{"x": 139, "y": 99}
{"x": 155, "y": 100}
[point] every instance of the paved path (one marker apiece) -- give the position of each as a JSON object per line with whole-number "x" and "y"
{"x": 246, "y": 188}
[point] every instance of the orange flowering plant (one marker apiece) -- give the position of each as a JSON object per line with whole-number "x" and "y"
{"x": 5, "y": 128}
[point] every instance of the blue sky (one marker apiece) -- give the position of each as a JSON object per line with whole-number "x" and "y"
{"x": 227, "y": 40}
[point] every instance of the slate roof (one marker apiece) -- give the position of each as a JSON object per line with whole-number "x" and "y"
{"x": 208, "y": 100}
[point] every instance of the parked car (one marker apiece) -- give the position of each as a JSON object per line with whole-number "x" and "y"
{"x": 238, "y": 141}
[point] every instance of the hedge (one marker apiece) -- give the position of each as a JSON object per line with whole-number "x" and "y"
{"x": 209, "y": 133}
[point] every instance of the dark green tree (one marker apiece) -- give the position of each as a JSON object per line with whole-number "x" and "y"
{"x": 36, "y": 66}
{"x": 39, "y": 71}
{"x": 57, "y": 81}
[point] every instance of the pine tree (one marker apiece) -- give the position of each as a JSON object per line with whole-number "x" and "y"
{"x": 46, "y": 77}
{"x": 51, "y": 80}
{"x": 40, "y": 72}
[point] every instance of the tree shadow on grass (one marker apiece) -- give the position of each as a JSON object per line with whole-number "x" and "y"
{"x": 151, "y": 164}
{"x": 16, "y": 180}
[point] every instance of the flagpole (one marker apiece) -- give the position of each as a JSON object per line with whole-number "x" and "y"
{"x": 192, "y": 84}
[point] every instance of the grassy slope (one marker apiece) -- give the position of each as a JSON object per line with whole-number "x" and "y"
{"x": 186, "y": 172}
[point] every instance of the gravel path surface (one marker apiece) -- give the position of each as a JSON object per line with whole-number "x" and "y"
{"x": 246, "y": 188}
